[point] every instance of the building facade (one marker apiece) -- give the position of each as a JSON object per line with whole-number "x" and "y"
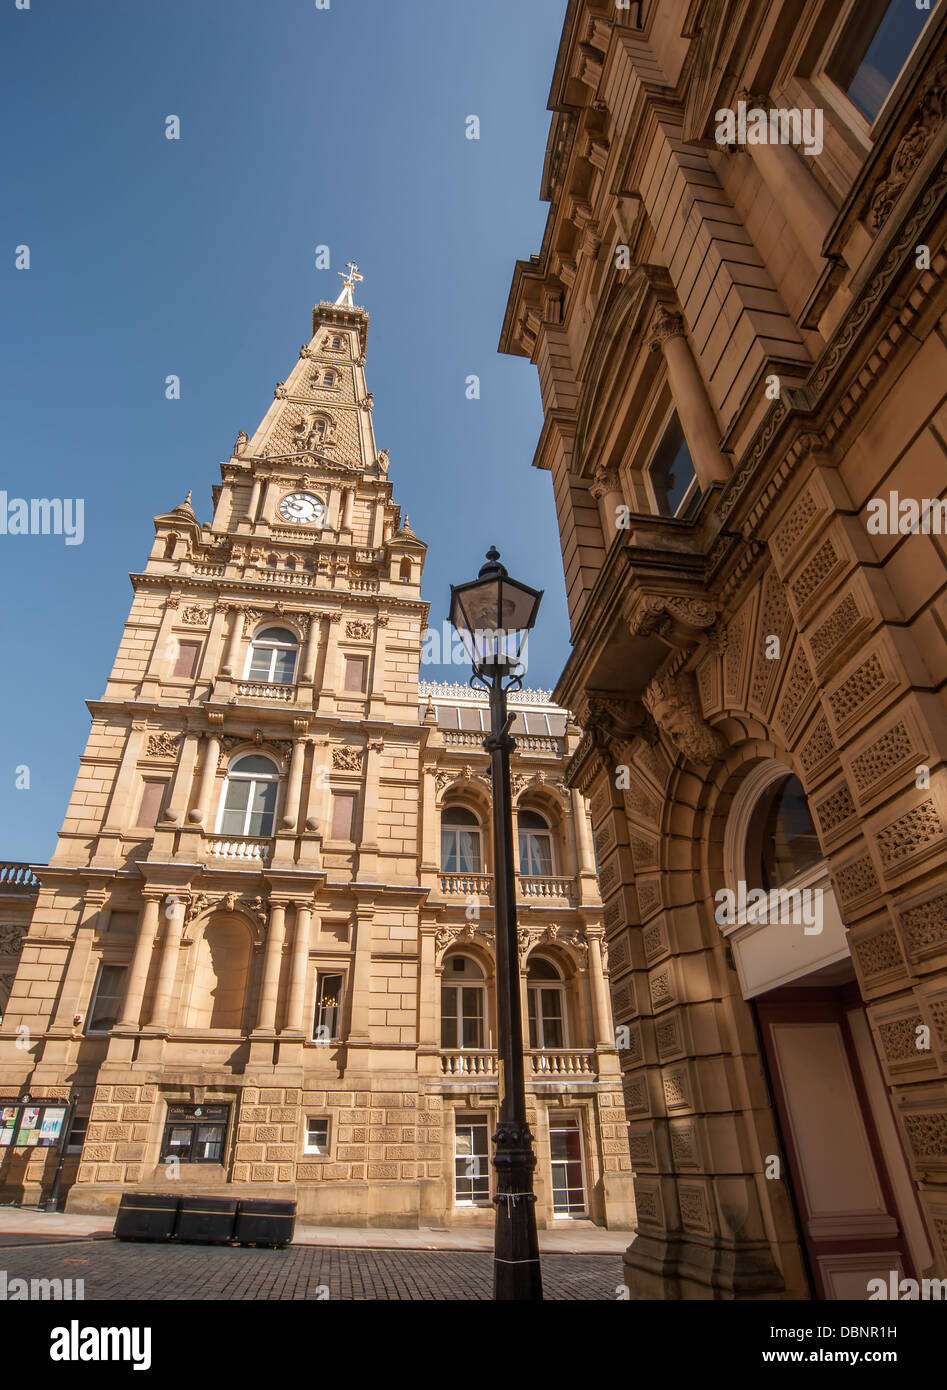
{"x": 261, "y": 956}
{"x": 738, "y": 319}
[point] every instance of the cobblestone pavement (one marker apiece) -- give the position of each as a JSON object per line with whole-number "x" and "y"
{"x": 123, "y": 1270}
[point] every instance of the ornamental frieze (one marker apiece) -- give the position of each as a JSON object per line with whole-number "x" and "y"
{"x": 163, "y": 745}
{"x": 347, "y": 759}
{"x": 446, "y": 937}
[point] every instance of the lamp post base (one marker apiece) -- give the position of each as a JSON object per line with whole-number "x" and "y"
{"x": 517, "y": 1274}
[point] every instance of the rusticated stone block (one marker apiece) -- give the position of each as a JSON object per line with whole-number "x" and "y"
{"x": 262, "y": 1133}
{"x": 132, "y": 1172}
{"x": 349, "y": 1152}
{"x": 136, "y": 1112}
{"x": 100, "y": 1151}
{"x": 148, "y": 1093}
{"x": 109, "y": 1172}
{"x": 262, "y": 1172}
{"x": 129, "y": 1151}
{"x": 285, "y": 1173}
{"x": 379, "y": 1134}
{"x": 124, "y": 1092}
{"x": 310, "y": 1172}
{"x": 121, "y": 1132}
{"x": 254, "y": 1114}
{"x": 282, "y": 1112}
{"x": 248, "y": 1152}
{"x": 275, "y": 1152}
{"x": 292, "y": 1095}
{"x": 382, "y": 1170}
{"x": 105, "y": 1112}
{"x": 250, "y": 1094}
{"x": 270, "y": 1095}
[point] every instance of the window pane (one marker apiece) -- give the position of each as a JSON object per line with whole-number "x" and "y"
{"x": 285, "y": 666}
{"x": 260, "y": 664}
{"x": 262, "y": 806}
{"x": 781, "y": 840}
{"x": 448, "y": 1016}
{"x": 672, "y": 469}
{"x": 449, "y": 851}
{"x": 551, "y": 1004}
{"x": 873, "y": 51}
{"x": 531, "y": 1011}
{"x": 108, "y": 997}
{"x": 468, "y": 851}
{"x": 472, "y": 1021}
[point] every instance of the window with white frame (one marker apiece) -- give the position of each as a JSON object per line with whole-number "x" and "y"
{"x": 460, "y": 841}
{"x": 471, "y": 1160}
{"x": 871, "y": 47}
{"x": 463, "y": 997}
{"x": 671, "y": 472}
{"x": 107, "y": 998}
{"x": 316, "y": 1139}
{"x": 272, "y": 657}
{"x": 545, "y": 999}
{"x": 568, "y": 1169}
{"x": 248, "y": 803}
{"x": 535, "y": 844}
{"x": 327, "y": 1016}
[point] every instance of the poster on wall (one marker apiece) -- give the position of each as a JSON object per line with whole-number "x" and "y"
{"x": 51, "y": 1128}
{"x": 8, "y": 1114}
{"x": 29, "y": 1126}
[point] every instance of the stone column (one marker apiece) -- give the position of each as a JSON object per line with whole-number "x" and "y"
{"x": 600, "y": 1012}
{"x": 693, "y": 408}
{"x": 299, "y": 977}
{"x": 167, "y": 970}
{"x": 254, "y": 502}
{"x": 232, "y": 655}
{"x": 71, "y": 993}
{"x": 208, "y": 777}
{"x": 266, "y": 1014}
{"x": 797, "y": 192}
{"x": 330, "y": 673}
{"x": 429, "y": 1035}
{"x": 606, "y": 489}
{"x": 211, "y": 654}
{"x": 376, "y": 690}
{"x": 430, "y": 840}
{"x": 141, "y": 961}
{"x": 120, "y": 807}
{"x": 583, "y": 835}
{"x": 361, "y": 975}
{"x": 319, "y": 788}
{"x": 310, "y": 652}
{"x": 294, "y": 784}
{"x": 181, "y": 785}
{"x": 348, "y": 509}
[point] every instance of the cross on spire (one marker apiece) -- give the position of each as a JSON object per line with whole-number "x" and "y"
{"x": 349, "y": 280}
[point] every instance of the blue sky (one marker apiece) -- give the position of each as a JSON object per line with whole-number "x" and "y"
{"x": 299, "y": 127}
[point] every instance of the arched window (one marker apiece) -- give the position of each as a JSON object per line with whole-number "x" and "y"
{"x": 545, "y": 997}
{"x": 404, "y": 571}
{"x": 248, "y": 805}
{"x": 462, "y": 1004}
{"x": 460, "y": 841}
{"x": 535, "y": 845}
{"x": 328, "y": 379}
{"x": 273, "y": 656}
{"x": 781, "y": 839}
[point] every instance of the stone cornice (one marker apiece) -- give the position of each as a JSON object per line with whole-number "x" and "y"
{"x": 275, "y": 592}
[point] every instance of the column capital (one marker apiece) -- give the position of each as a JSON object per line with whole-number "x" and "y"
{"x": 665, "y": 325}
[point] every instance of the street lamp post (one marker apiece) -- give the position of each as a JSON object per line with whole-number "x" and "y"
{"x": 492, "y": 615}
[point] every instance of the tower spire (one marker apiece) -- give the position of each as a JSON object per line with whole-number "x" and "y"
{"x": 348, "y": 285}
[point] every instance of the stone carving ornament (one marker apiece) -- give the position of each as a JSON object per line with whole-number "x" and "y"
{"x": 12, "y": 936}
{"x": 673, "y": 703}
{"x": 347, "y": 759}
{"x": 163, "y": 745}
{"x": 194, "y": 617}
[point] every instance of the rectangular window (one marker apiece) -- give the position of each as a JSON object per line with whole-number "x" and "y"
{"x": 355, "y": 668}
{"x": 317, "y": 1136}
{"x": 875, "y": 45}
{"x": 195, "y": 1133}
{"x": 77, "y": 1134}
{"x": 343, "y": 815}
{"x": 568, "y": 1182}
{"x": 152, "y": 799}
{"x": 186, "y": 663}
{"x": 471, "y": 1160}
{"x": 107, "y": 998}
{"x": 327, "y": 1018}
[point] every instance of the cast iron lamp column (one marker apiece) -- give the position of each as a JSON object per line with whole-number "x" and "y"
{"x": 492, "y": 615}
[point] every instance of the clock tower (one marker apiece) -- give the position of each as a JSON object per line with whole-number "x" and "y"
{"x": 261, "y": 956}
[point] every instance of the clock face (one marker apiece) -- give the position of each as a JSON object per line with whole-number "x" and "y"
{"x": 302, "y": 508}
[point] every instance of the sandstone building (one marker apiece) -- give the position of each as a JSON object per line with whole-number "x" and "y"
{"x": 742, "y": 353}
{"x": 262, "y": 953}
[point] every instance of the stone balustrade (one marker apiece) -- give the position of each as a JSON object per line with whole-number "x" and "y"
{"x": 239, "y": 848}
